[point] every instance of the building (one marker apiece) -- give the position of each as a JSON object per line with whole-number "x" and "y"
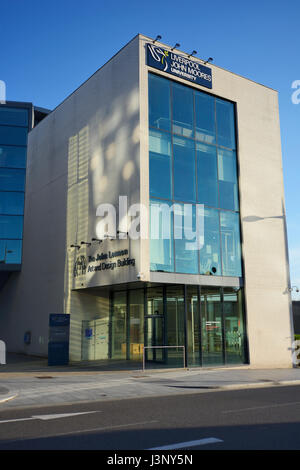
{"x": 155, "y": 218}
{"x": 16, "y": 120}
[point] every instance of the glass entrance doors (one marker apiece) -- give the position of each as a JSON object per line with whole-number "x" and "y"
{"x": 154, "y": 338}
{"x": 192, "y": 325}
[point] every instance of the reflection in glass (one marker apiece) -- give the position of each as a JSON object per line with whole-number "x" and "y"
{"x": 13, "y": 135}
{"x": 161, "y": 236}
{"x": 136, "y": 318}
{"x": 205, "y": 117}
{"x": 12, "y": 157}
{"x": 160, "y": 164}
{"x": 10, "y": 251}
{"x": 159, "y": 103}
{"x": 184, "y": 170}
{"x": 118, "y": 326}
{"x": 231, "y": 249}
{"x": 13, "y": 116}
{"x": 154, "y": 325}
{"x": 155, "y": 301}
{"x": 211, "y": 327}
{"x": 11, "y": 226}
{"x": 234, "y": 326}
{"x": 12, "y": 180}
{"x": 175, "y": 324}
{"x": 225, "y": 123}
{"x": 227, "y": 180}
{"x": 186, "y": 253}
{"x": 210, "y": 256}
{"x": 207, "y": 174}
{"x": 183, "y": 110}
{"x": 193, "y": 326}
{"x": 11, "y": 203}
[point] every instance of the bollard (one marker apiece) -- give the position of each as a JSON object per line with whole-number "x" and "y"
{"x": 2, "y": 352}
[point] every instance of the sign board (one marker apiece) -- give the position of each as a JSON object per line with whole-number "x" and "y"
{"x": 58, "y": 343}
{"x": 178, "y": 65}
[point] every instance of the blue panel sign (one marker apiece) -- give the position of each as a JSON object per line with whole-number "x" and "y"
{"x": 58, "y": 344}
{"x": 178, "y": 65}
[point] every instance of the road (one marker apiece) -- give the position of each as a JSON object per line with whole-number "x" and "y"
{"x": 264, "y": 418}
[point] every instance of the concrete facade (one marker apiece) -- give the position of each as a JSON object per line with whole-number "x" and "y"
{"x": 93, "y": 148}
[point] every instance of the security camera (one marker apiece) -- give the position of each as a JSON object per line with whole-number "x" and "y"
{"x": 139, "y": 275}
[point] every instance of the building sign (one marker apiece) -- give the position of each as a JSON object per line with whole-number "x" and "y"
{"x": 178, "y": 65}
{"x": 102, "y": 262}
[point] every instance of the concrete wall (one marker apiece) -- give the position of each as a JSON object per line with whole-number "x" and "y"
{"x": 262, "y": 209}
{"x": 86, "y": 152}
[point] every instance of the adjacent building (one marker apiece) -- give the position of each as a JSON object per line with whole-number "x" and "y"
{"x": 155, "y": 218}
{"x": 16, "y": 120}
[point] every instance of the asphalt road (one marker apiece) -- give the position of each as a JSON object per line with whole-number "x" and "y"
{"x": 255, "y": 419}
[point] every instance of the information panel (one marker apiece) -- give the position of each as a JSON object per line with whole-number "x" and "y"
{"x": 58, "y": 343}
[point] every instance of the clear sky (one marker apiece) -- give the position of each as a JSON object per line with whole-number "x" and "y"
{"x": 48, "y": 48}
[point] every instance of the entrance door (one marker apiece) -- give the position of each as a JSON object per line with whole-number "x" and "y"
{"x": 154, "y": 337}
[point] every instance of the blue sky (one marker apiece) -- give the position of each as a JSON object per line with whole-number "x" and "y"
{"x": 48, "y": 48}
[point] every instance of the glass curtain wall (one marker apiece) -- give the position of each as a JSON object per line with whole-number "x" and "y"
{"x": 234, "y": 326}
{"x": 192, "y": 161}
{"x": 14, "y": 125}
{"x": 119, "y": 326}
{"x": 136, "y": 322}
{"x": 207, "y": 321}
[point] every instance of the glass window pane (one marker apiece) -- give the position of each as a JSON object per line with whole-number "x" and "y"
{"x": 13, "y": 157}
{"x": 210, "y": 255}
{"x": 234, "y": 326}
{"x": 207, "y": 175}
{"x": 159, "y": 103}
{"x": 11, "y": 203}
{"x": 154, "y": 326}
{"x": 175, "y": 325}
{"x": 186, "y": 248}
{"x": 211, "y": 327}
{"x": 13, "y": 116}
{"x": 205, "y": 117}
{"x": 13, "y": 135}
{"x": 11, "y": 226}
{"x": 183, "y": 110}
{"x": 10, "y": 251}
{"x": 160, "y": 164}
{"x": 136, "y": 315}
{"x": 155, "y": 305}
{"x": 231, "y": 248}
{"x": 12, "y": 180}
{"x": 225, "y": 123}
{"x": 193, "y": 326}
{"x": 161, "y": 237}
{"x": 228, "y": 187}
{"x": 184, "y": 170}
{"x": 119, "y": 326}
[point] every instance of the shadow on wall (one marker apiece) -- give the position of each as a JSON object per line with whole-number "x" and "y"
{"x": 102, "y": 161}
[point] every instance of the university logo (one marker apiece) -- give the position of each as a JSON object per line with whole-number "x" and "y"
{"x": 80, "y": 266}
{"x": 160, "y": 56}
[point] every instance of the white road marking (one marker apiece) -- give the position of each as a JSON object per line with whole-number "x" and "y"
{"x": 48, "y": 417}
{"x": 262, "y": 407}
{"x": 182, "y": 445}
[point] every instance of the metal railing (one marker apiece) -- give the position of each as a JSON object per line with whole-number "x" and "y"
{"x": 162, "y": 347}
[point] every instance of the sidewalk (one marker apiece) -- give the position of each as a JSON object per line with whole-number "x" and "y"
{"x": 28, "y": 381}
